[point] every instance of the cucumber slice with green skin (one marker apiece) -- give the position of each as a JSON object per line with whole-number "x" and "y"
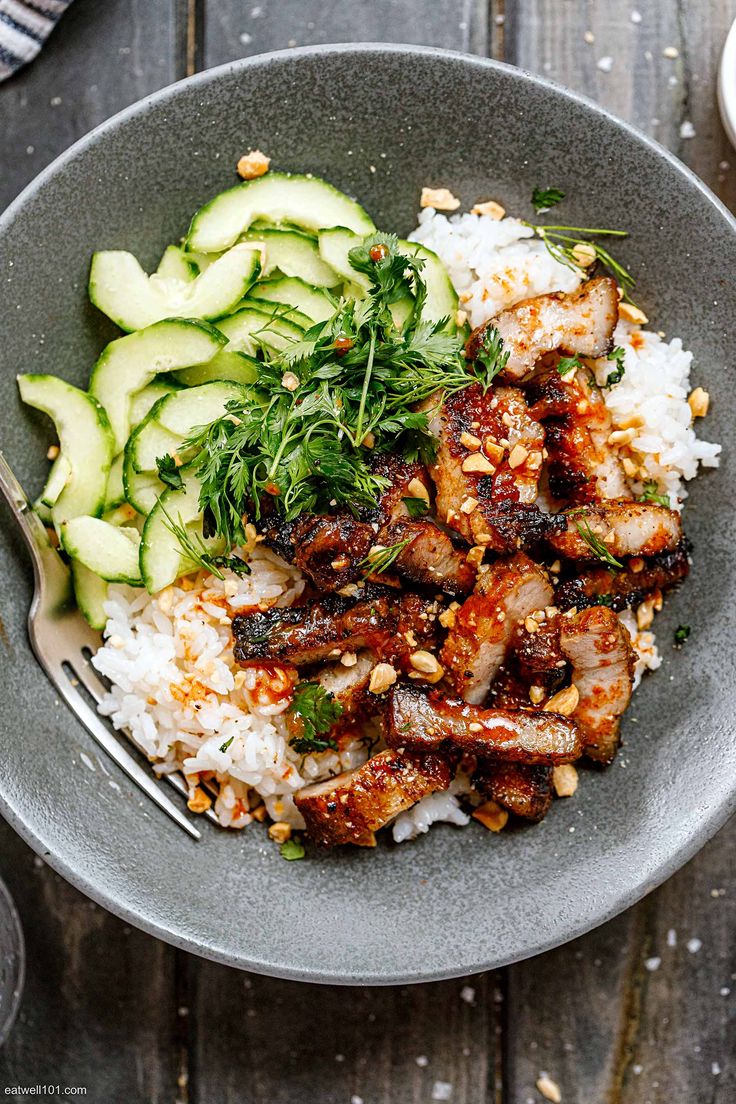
{"x": 334, "y": 246}
{"x": 115, "y": 493}
{"x": 129, "y": 364}
{"x": 293, "y": 254}
{"x": 57, "y": 480}
{"x": 313, "y": 302}
{"x": 142, "y": 489}
{"x": 90, "y": 593}
{"x": 237, "y": 367}
{"x": 249, "y": 328}
{"x": 143, "y": 400}
{"x": 175, "y": 265}
{"x": 173, "y": 418}
{"x": 85, "y": 438}
{"x": 279, "y": 310}
{"x": 304, "y": 201}
{"x": 161, "y": 558}
{"x": 44, "y": 512}
{"x": 108, "y": 550}
{"x": 120, "y": 288}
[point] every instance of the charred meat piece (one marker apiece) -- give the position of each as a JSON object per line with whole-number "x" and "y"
{"x": 377, "y": 619}
{"x": 402, "y": 478}
{"x": 582, "y": 466}
{"x": 329, "y": 550}
{"x": 352, "y": 806}
{"x": 599, "y": 650}
{"x": 581, "y": 323}
{"x": 430, "y": 558}
{"x": 487, "y": 468}
{"x": 523, "y": 790}
{"x": 628, "y": 588}
{"x": 423, "y": 722}
{"x": 505, "y": 593}
{"x": 623, "y": 528}
{"x": 349, "y": 685}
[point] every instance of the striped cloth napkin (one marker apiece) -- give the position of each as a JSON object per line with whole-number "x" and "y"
{"x": 24, "y": 27}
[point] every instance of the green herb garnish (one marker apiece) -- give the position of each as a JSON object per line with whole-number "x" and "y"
{"x": 381, "y": 559}
{"x": 565, "y": 365}
{"x": 292, "y": 849}
{"x": 416, "y": 507}
{"x": 317, "y": 710}
{"x": 562, "y": 240}
{"x": 544, "y": 198}
{"x": 651, "y": 494}
{"x": 491, "y": 359}
{"x": 682, "y": 632}
{"x": 596, "y": 546}
{"x": 226, "y": 745}
{"x": 618, "y": 355}
{"x": 168, "y": 472}
{"x": 198, "y": 553}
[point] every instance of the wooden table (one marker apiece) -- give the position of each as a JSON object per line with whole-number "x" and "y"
{"x": 640, "y": 1011}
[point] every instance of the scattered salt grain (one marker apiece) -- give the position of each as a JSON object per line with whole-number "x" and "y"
{"x": 671, "y": 938}
{"x": 605, "y": 64}
{"x": 245, "y": 38}
{"x": 467, "y": 993}
{"x": 694, "y": 945}
{"x": 87, "y": 761}
{"x": 549, "y": 1089}
{"x": 441, "y": 1090}
{"x": 653, "y": 964}
{"x": 422, "y": 1060}
{"x": 635, "y": 17}
{"x": 671, "y": 52}
{"x": 589, "y": 37}
{"x": 637, "y": 1069}
{"x": 687, "y": 130}
{"x": 715, "y": 1069}
{"x": 724, "y": 991}
{"x": 356, "y": 1099}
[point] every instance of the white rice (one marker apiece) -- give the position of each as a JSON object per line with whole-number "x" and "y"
{"x": 175, "y": 684}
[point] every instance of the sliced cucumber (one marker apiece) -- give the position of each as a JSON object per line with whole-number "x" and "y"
{"x": 304, "y": 201}
{"x": 279, "y": 310}
{"x": 162, "y": 559}
{"x": 142, "y": 489}
{"x": 115, "y": 493}
{"x": 173, "y": 418}
{"x": 108, "y": 550}
{"x": 311, "y": 301}
{"x": 237, "y": 367}
{"x": 58, "y": 478}
{"x": 175, "y": 265}
{"x": 44, "y": 512}
{"x": 142, "y": 401}
{"x": 249, "y": 328}
{"x": 293, "y": 254}
{"x": 128, "y": 364}
{"x": 120, "y": 288}
{"x": 86, "y": 441}
{"x": 90, "y": 592}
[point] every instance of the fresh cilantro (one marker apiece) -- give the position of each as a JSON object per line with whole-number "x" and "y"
{"x": 416, "y": 507}
{"x": 226, "y": 745}
{"x": 618, "y": 355}
{"x": 380, "y": 559}
{"x": 544, "y": 198}
{"x": 315, "y": 710}
{"x": 491, "y": 359}
{"x": 565, "y": 365}
{"x": 292, "y": 849}
{"x": 682, "y": 632}
{"x": 596, "y": 546}
{"x": 651, "y": 494}
{"x": 168, "y": 472}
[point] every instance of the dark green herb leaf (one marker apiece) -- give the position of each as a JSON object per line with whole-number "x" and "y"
{"x": 292, "y": 849}
{"x": 651, "y": 494}
{"x": 316, "y": 710}
{"x": 168, "y": 472}
{"x": 618, "y": 355}
{"x": 544, "y": 198}
{"x": 682, "y": 632}
{"x": 236, "y": 564}
{"x": 416, "y": 507}
{"x": 565, "y": 365}
{"x": 226, "y": 745}
{"x": 596, "y": 546}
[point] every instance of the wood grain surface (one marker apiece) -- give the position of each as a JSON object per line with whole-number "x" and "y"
{"x": 640, "y": 1011}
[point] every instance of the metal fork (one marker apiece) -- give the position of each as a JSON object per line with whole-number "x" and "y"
{"x": 63, "y": 643}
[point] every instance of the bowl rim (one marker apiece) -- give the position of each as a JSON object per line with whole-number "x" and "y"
{"x": 707, "y": 826}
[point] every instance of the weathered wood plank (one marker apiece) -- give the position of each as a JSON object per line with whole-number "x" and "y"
{"x": 99, "y": 1008}
{"x": 103, "y": 55}
{"x": 234, "y": 29}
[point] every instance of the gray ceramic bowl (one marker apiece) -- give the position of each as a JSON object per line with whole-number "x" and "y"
{"x": 457, "y": 900}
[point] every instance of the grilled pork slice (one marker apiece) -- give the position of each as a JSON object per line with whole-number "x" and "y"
{"x": 431, "y": 557}
{"x": 621, "y": 527}
{"x": 627, "y": 588}
{"x": 349, "y": 685}
{"x": 423, "y": 722}
{"x": 486, "y": 473}
{"x": 581, "y": 323}
{"x": 330, "y": 550}
{"x": 599, "y": 650}
{"x": 524, "y": 790}
{"x": 582, "y": 465}
{"x": 505, "y": 593}
{"x": 403, "y": 479}
{"x": 376, "y": 619}
{"x": 351, "y": 807}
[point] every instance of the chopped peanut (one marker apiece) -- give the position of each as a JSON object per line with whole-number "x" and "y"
{"x": 468, "y": 505}
{"x": 470, "y": 441}
{"x": 199, "y": 802}
{"x": 382, "y": 676}
{"x": 290, "y": 381}
{"x": 491, "y": 208}
{"x": 517, "y": 456}
{"x": 426, "y": 664}
{"x": 645, "y": 614}
{"x": 418, "y": 489}
{"x": 260, "y": 813}
{"x": 477, "y": 462}
{"x": 475, "y": 555}
{"x": 348, "y": 659}
{"x": 536, "y": 694}
{"x": 461, "y": 317}
{"x": 531, "y": 625}
{"x": 564, "y": 702}
{"x": 630, "y": 467}
{"x": 621, "y": 436}
{"x": 698, "y": 401}
{"x": 280, "y": 831}
{"x": 369, "y": 440}
{"x": 630, "y": 313}
{"x": 253, "y": 164}
{"x": 52, "y": 452}
{"x": 441, "y": 199}
{"x": 491, "y": 816}
{"x": 584, "y": 254}
{"x": 447, "y": 619}
{"x": 493, "y": 451}
{"x": 549, "y": 1089}
{"x": 565, "y": 780}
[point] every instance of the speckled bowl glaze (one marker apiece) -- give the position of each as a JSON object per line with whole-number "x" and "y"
{"x": 457, "y": 900}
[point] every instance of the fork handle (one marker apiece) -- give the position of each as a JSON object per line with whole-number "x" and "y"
{"x": 47, "y": 564}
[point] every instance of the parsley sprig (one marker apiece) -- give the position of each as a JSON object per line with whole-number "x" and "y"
{"x": 316, "y": 710}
